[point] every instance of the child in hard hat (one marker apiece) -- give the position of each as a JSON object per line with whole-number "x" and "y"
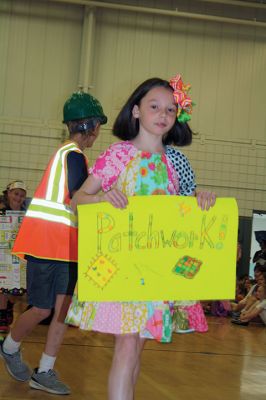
{"x": 48, "y": 240}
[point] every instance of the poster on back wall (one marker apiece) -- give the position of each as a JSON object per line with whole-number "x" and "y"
{"x": 158, "y": 248}
{"x": 258, "y": 241}
{"x": 12, "y": 269}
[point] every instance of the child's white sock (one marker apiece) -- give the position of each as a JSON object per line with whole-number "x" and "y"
{"x": 10, "y": 346}
{"x": 46, "y": 363}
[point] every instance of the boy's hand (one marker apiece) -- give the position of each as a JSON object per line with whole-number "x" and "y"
{"x": 206, "y": 199}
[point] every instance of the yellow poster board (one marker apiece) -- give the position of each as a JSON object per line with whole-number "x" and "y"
{"x": 158, "y": 248}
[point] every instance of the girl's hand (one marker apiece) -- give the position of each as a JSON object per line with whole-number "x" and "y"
{"x": 206, "y": 199}
{"x": 116, "y": 198}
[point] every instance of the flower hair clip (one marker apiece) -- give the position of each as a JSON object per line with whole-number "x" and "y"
{"x": 182, "y": 99}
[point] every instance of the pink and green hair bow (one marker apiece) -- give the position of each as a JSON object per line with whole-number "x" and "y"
{"x": 182, "y": 99}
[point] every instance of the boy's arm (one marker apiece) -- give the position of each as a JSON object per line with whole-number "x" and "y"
{"x": 77, "y": 171}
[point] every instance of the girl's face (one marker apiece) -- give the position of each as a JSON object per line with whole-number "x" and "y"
{"x": 260, "y": 293}
{"x": 16, "y": 198}
{"x": 156, "y": 112}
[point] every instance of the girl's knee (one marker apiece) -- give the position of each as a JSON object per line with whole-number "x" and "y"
{"x": 126, "y": 346}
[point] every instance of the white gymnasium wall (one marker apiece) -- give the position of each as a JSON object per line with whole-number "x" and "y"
{"x": 40, "y": 52}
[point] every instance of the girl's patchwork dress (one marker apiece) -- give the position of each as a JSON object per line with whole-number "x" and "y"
{"x": 139, "y": 173}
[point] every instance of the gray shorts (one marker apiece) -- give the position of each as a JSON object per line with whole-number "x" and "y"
{"x": 48, "y": 278}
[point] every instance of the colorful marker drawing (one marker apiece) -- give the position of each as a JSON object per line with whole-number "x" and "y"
{"x": 187, "y": 267}
{"x": 101, "y": 270}
{"x": 184, "y": 209}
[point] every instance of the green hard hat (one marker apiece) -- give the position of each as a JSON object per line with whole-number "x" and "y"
{"x": 81, "y": 106}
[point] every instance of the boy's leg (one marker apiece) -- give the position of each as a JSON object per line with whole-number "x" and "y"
{"x": 44, "y": 377}
{"x": 57, "y": 326}
{"x": 27, "y": 321}
{"x": 39, "y": 288}
{"x": 9, "y": 349}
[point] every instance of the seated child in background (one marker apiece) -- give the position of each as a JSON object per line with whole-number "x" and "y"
{"x": 257, "y": 309}
{"x": 250, "y": 298}
{"x": 217, "y": 308}
{"x": 221, "y": 308}
{"x": 247, "y": 284}
{"x": 240, "y": 294}
{"x": 243, "y": 286}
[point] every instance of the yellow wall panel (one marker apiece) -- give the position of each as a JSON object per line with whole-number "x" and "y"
{"x": 34, "y": 64}
{"x": 105, "y": 61}
{"x": 226, "y": 81}
{"x": 5, "y": 22}
{"x": 16, "y": 60}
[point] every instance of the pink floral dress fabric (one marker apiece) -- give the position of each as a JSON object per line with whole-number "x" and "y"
{"x": 134, "y": 172}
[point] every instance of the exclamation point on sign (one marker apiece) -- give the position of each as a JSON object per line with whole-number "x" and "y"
{"x": 222, "y": 233}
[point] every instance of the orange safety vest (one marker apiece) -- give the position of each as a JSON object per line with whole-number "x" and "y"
{"x": 49, "y": 228}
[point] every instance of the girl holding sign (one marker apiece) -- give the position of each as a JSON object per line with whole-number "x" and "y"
{"x": 154, "y": 116}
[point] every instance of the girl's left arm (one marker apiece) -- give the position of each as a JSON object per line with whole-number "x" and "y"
{"x": 205, "y": 199}
{"x": 187, "y": 184}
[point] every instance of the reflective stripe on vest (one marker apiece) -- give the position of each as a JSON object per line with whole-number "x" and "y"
{"x": 51, "y": 211}
{"x": 52, "y": 207}
{"x": 56, "y": 182}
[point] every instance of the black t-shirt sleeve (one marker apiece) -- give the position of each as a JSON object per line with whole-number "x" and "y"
{"x": 77, "y": 171}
